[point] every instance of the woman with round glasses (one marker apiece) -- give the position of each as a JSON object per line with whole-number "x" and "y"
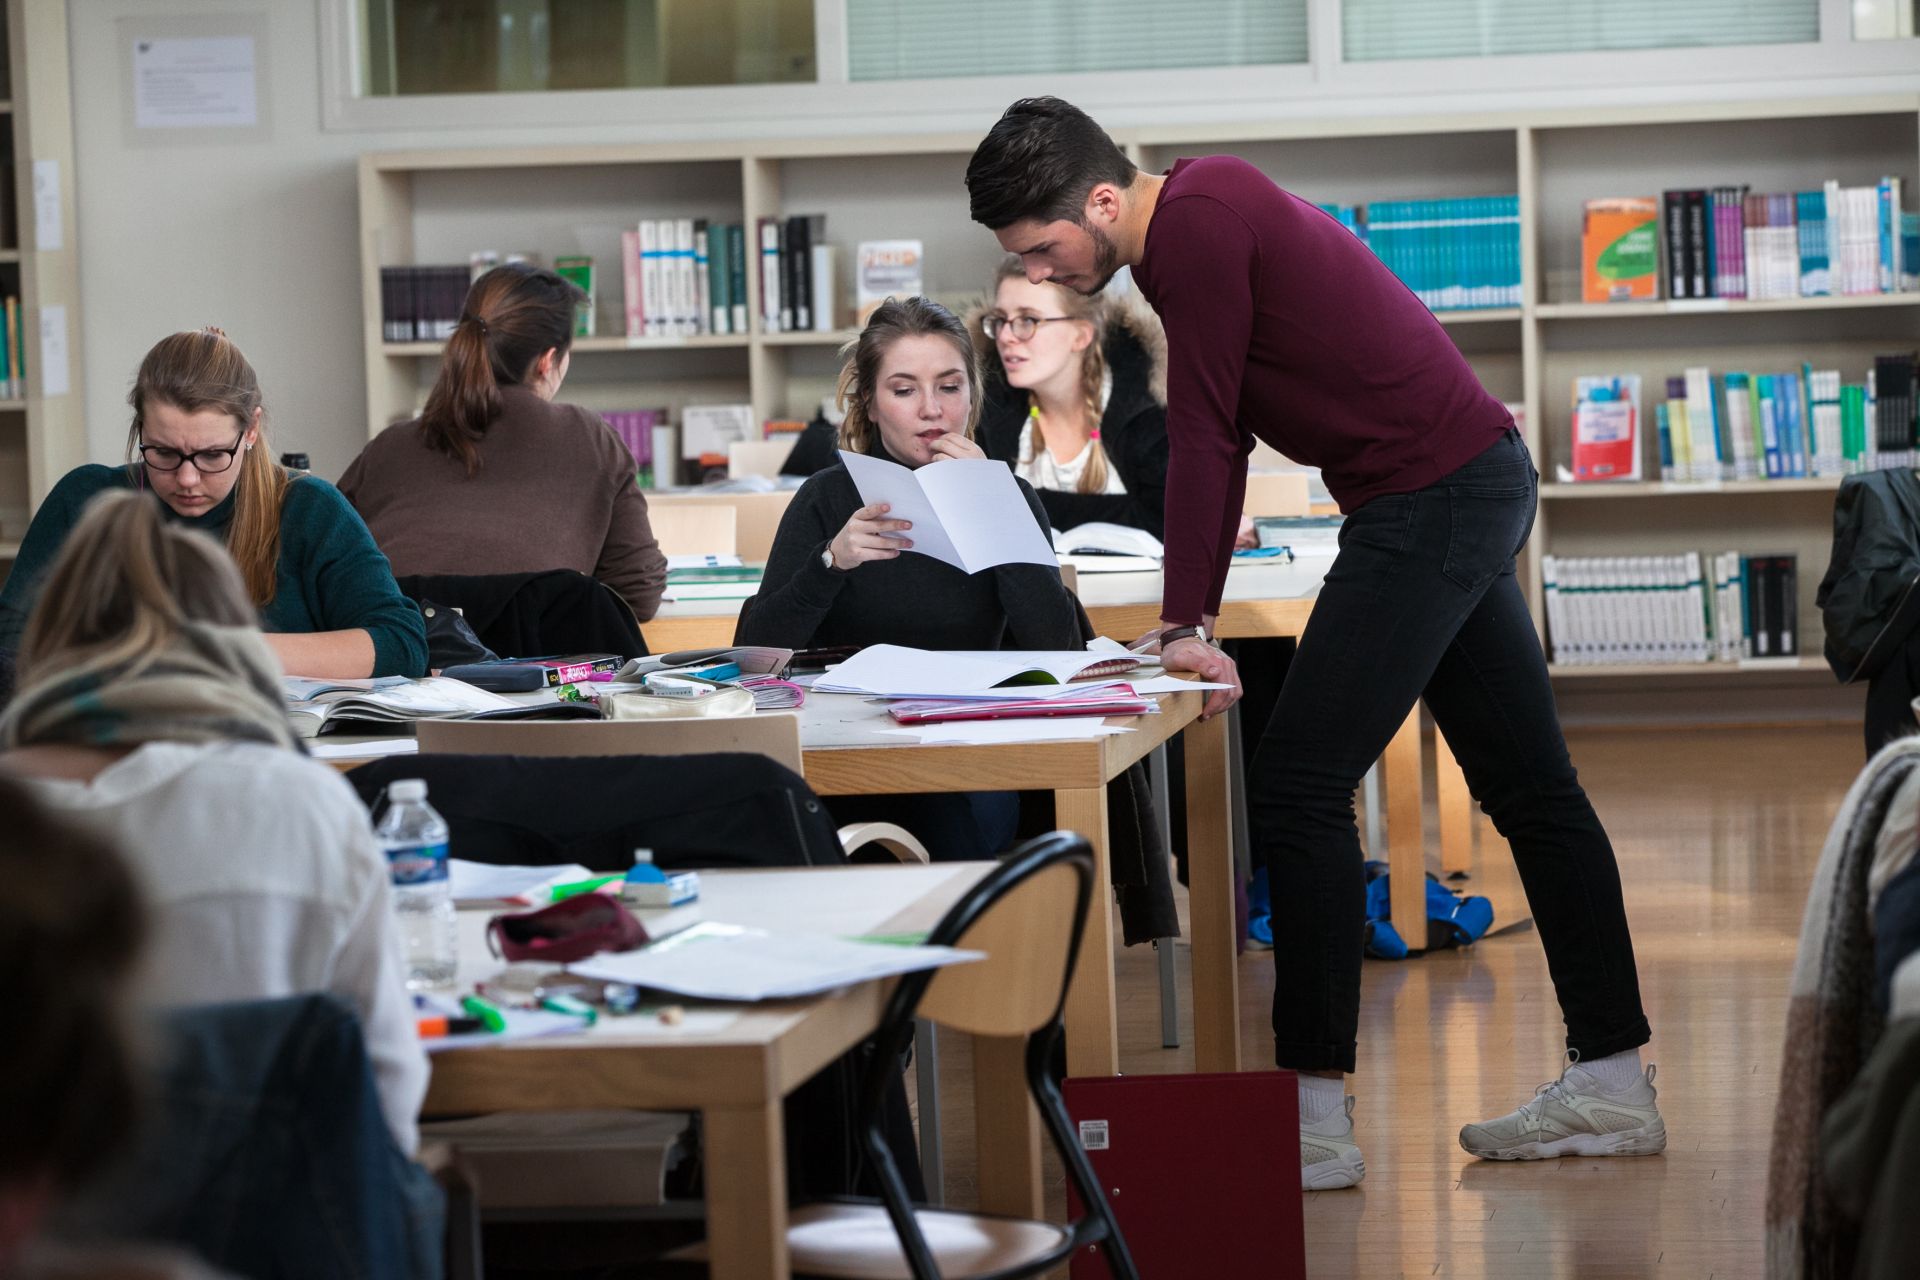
{"x": 324, "y": 593}
{"x": 1076, "y": 400}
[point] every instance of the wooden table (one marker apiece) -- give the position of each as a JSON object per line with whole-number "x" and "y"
{"x": 845, "y": 752}
{"x": 1262, "y": 598}
{"x": 735, "y": 1064}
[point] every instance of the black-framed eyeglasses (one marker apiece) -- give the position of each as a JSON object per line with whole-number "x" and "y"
{"x": 208, "y": 462}
{"x": 1021, "y": 327}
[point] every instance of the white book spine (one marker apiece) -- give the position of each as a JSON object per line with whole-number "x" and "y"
{"x": 1555, "y": 610}
{"x": 1739, "y": 409}
{"x": 825, "y": 261}
{"x": 686, "y": 296}
{"x": 653, "y": 292}
{"x": 769, "y": 276}
{"x": 702, "y": 292}
{"x": 1700, "y": 424}
{"x": 1698, "y": 640}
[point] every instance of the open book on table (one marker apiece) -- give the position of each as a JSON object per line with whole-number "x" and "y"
{"x": 896, "y": 671}
{"x": 317, "y": 707}
{"x": 966, "y": 512}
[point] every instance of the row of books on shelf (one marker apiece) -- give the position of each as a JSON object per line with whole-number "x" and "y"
{"x": 1454, "y": 254}
{"x": 13, "y": 351}
{"x": 1745, "y": 426}
{"x": 668, "y": 454}
{"x": 679, "y": 278}
{"x": 683, "y": 277}
{"x": 1732, "y": 242}
{"x": 1686, "y": 608}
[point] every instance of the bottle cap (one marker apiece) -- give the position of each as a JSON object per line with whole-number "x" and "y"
{"x": 405, "y": 789}
{"x": 642, "y": 855}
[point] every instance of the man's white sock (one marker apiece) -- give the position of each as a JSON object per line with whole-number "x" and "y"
{"x": 1616, "y": 1071}
{"x": 1320, "y": 1097}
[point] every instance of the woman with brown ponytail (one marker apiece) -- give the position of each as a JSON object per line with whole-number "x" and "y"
{"x": 494, "y": 477}
{"x": 1076, "y": 400}
{"x": 323, "y": 591}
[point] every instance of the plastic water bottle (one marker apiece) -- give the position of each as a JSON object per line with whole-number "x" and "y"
{"x": 414, "y": 838}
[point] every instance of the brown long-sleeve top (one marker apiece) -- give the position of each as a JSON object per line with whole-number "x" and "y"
{"x": 555, "y": 490}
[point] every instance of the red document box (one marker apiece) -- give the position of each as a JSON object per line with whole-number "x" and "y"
{"x": 1195, "y": 1165}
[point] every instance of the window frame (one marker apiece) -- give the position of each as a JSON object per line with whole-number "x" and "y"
{"x": 1325, "y": 86}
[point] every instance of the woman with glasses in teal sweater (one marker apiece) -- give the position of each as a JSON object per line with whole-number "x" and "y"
{"x": 324, "y": 592}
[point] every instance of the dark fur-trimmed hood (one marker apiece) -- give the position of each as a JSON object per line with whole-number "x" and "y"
{"x": 1136, "y": 351}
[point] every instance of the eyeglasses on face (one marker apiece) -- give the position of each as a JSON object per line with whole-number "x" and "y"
{"x": 1020, "y": 327}
{"x": 208, "y": 462}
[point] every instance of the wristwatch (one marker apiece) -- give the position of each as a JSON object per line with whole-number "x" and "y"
{"x": 1172, "y": 634}
{"x": 826, "y": 558}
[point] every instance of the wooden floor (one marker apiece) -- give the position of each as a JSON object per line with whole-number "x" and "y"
{"x": 1717, "y": 833}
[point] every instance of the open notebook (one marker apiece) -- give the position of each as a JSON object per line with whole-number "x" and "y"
{"x": 896, "y": 671}
{"x": 318, "y": 707}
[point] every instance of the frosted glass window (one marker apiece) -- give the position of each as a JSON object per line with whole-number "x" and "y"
{"x": 934, "y": 39}
{"x": 534, "y": 46}
{"x": 1885, "y": 19}
{"x": 1379, "y": 30}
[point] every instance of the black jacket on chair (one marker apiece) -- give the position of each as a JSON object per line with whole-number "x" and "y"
{"x": 1869, "y": 607}
{"x": 693, "y": 811}
{"x": 528, "y": 615}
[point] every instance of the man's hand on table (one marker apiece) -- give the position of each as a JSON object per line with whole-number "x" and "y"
{"x": 1203, "y": 659}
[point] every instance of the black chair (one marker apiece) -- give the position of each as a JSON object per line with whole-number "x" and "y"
{"x": 526, "y": 615}
{"x": 265, "y": 1152}
{"x": 1028, "y": 915}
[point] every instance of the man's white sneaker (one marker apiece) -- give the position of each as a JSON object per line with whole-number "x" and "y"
{"x": 1574, "y": 1116}
{"x": 1329, "y": 1158}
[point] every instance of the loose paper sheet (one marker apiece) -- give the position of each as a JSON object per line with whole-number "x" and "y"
{"x": 727, "y": 962}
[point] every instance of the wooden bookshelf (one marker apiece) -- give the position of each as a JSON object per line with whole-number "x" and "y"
{"x": 42, "y": 436}
{"x": 425, "y": 206}
{"x": 1703, "y": 670}
{"x": 1674, "y": 489}
{"x": 1717, "y": 307}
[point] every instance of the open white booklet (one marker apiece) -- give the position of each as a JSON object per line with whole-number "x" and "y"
{"x": 896, "y": 671}
{"x": 966, "y": 512}
{"x": 311, "y": 704}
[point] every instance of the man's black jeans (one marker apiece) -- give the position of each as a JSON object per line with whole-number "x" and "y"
{"x": 1421, "y": 602}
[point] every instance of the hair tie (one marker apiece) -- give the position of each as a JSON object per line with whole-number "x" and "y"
{"x": 1094, "y": 434}
{"x": 477, "y": 323}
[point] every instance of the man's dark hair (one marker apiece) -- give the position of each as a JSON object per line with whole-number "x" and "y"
{"x": 1039, "y": 161}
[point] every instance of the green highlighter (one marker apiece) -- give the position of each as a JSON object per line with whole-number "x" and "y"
{"x": 486, "y": 1010}
{"x": 575, "y": 887}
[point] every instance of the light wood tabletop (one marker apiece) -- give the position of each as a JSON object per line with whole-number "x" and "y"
{"x": 735, "y": 1063}
{"x": 846, "y": 751}
{"x": 1265, "y": 598}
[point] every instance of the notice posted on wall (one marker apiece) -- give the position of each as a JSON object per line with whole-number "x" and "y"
{"x": 196, "y": 82}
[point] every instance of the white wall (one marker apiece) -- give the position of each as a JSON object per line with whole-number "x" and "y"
{"x": 261, "y": 238}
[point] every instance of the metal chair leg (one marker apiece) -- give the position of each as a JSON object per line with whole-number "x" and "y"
{"x": 1370, "y": 794}
{"x": 926, "y": 1069}
{"x": 1169, "y": 986}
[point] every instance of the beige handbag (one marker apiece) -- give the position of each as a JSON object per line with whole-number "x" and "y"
{"x": 728, "y": 702}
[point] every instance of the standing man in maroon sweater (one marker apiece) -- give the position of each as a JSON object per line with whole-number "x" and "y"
{"x": 1282, "y": 326}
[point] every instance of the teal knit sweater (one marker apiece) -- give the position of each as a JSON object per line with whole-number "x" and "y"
{"x": 331, "y": 576}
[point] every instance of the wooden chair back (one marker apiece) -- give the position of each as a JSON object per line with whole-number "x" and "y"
{"x": 1027, "y": 934}
{"x": 693, "y": 529}
{"x": 1276, "y": 493}
{"x": 774, "y": 734}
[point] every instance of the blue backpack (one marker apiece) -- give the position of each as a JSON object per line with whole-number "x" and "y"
{"x": 1453, "y": 920}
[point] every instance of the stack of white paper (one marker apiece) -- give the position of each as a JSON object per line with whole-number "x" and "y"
{"x": 727, "y": 962}
{"x": 1042, "y": 729}
{"x": 482, "y": 884}
{"x": 896, "y": 671}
